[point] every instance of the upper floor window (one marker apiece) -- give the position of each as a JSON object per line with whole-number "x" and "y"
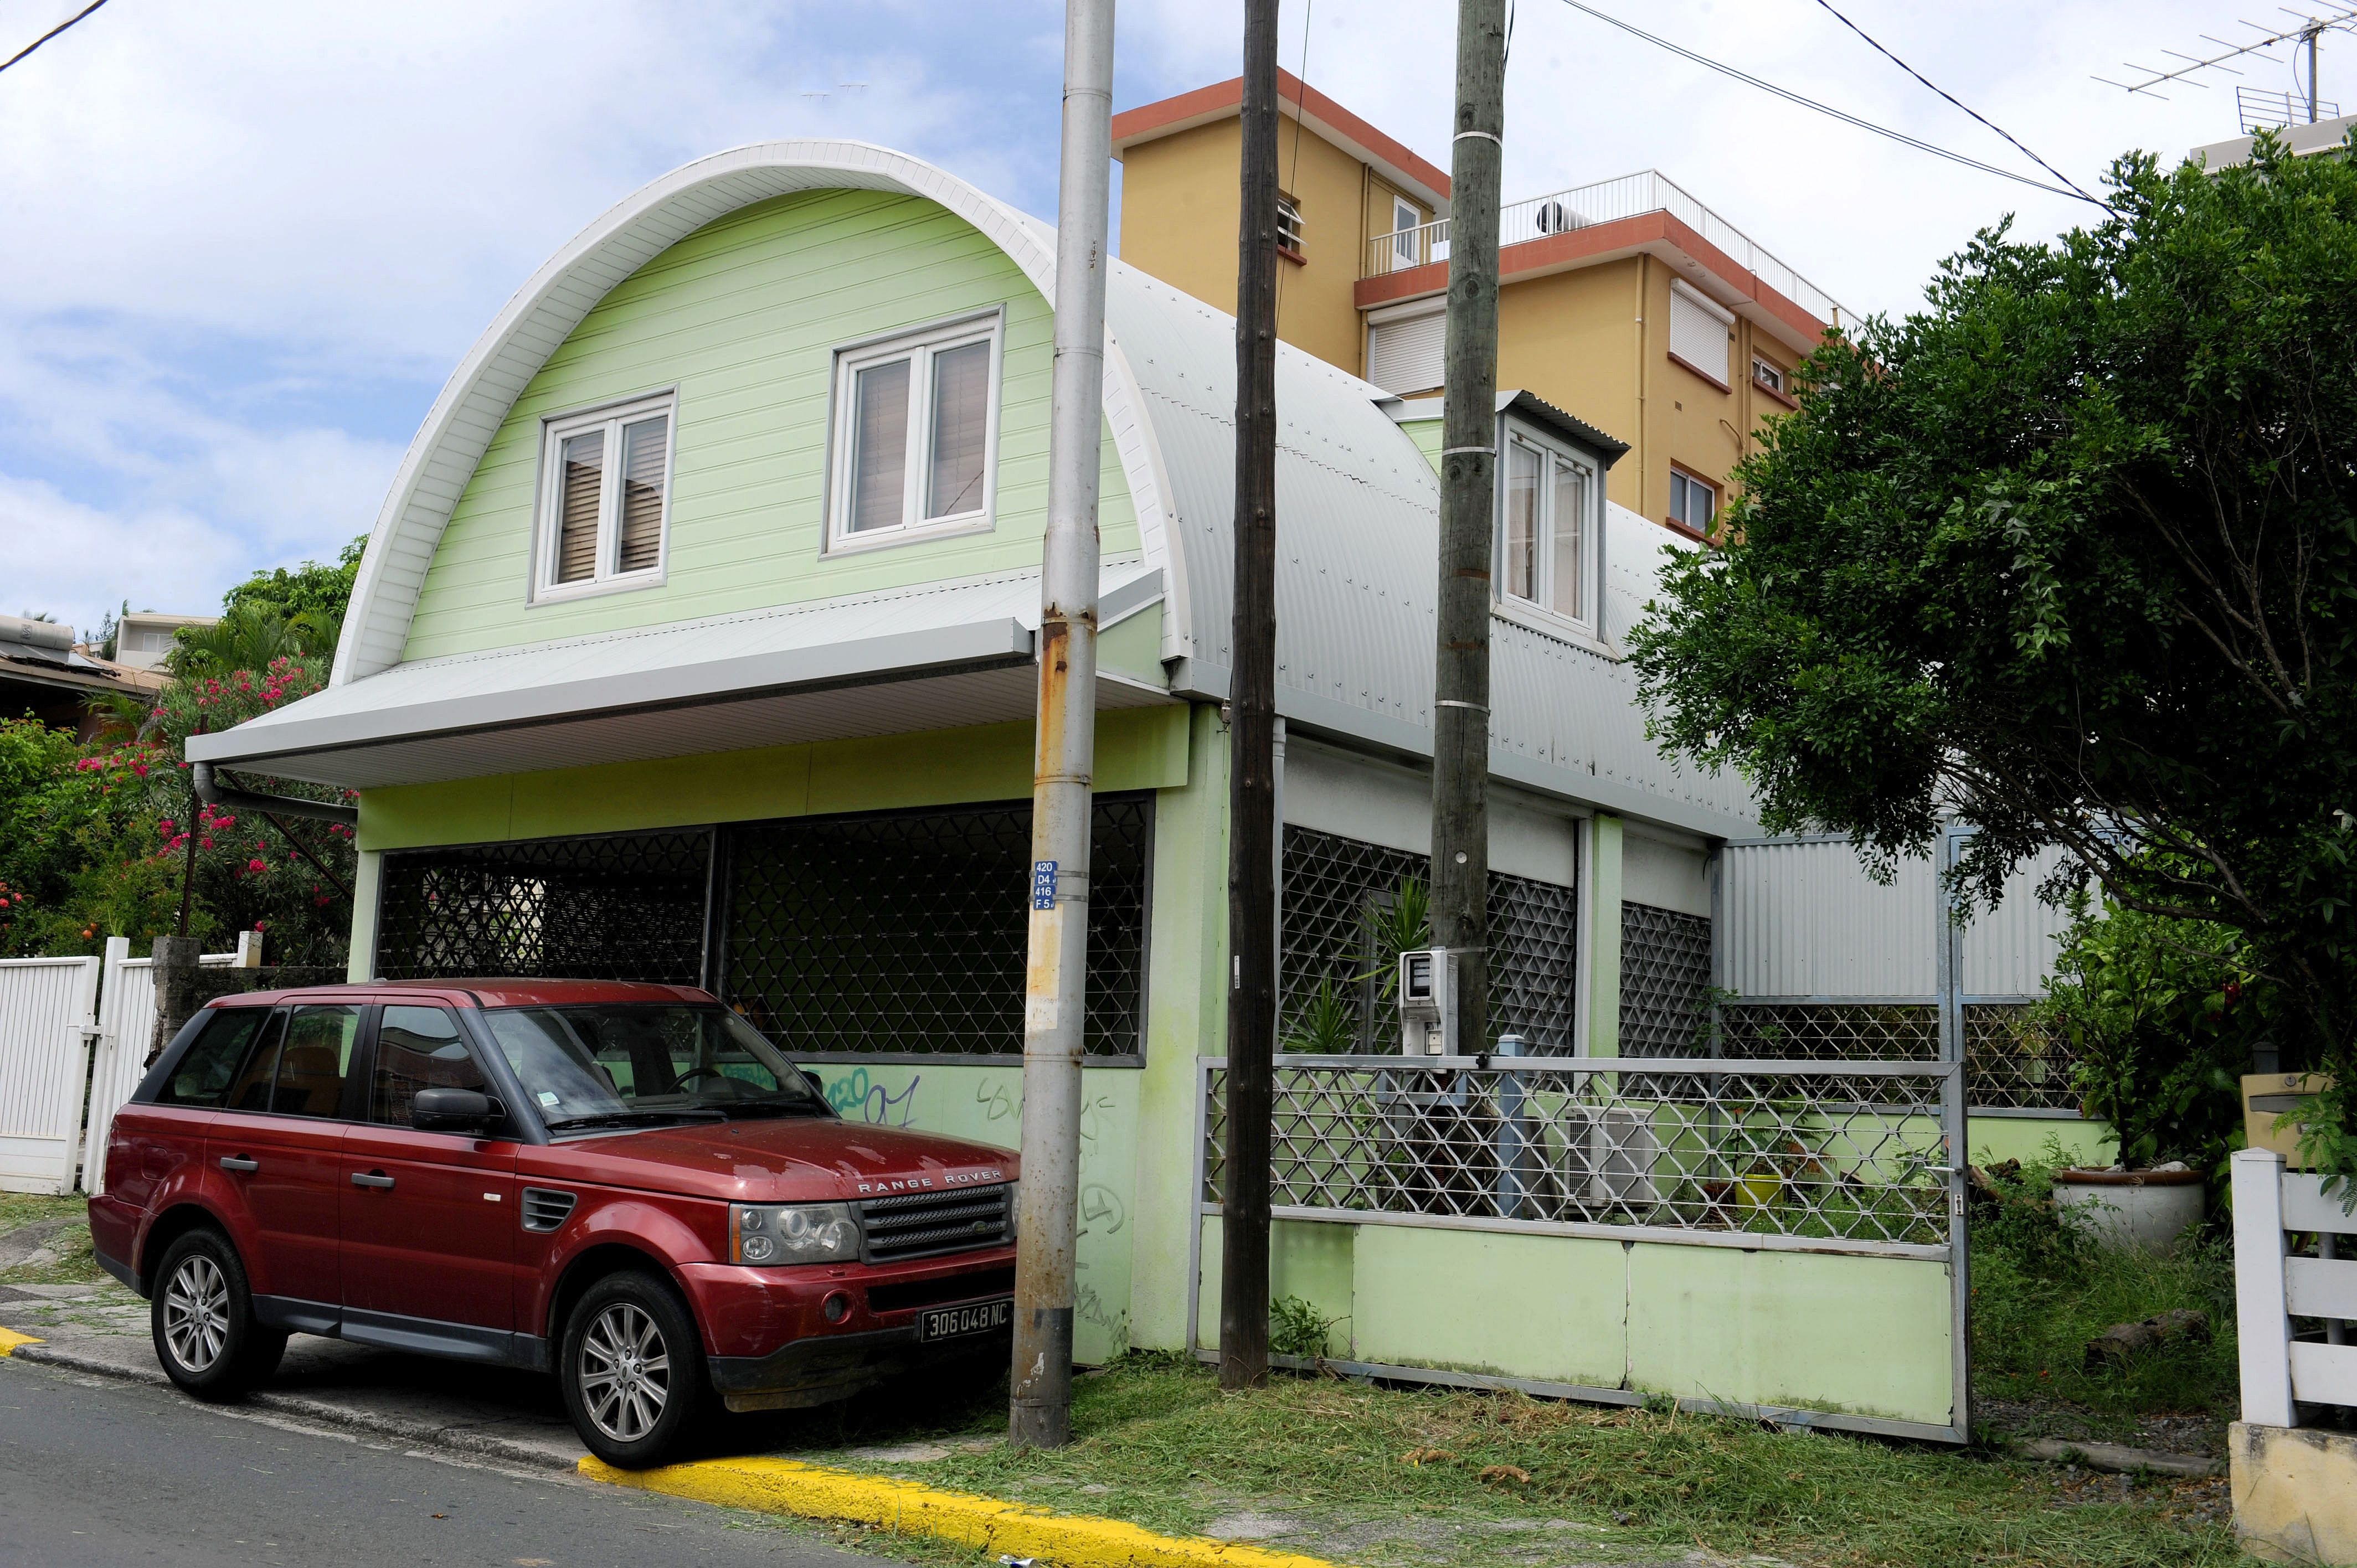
{"x": 1702, "y": 331}
{"x": 606, "y": 490}
{"x": 916, "y": 433}
{"x": 1767, "y": 375}
{"x": 1693, "y": 502}
{"x": 1551, "y": 530}
{"x": 1288, "y": 224}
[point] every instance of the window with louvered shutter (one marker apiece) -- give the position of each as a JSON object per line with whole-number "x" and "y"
{"x": 916, "y": 426}
{"x": 605, "y": 498}
{"x": 1404, "y": 354}
{"x": 583, "y": 466}
{"x": 643, "y": 494}
{"x": 1699, "y": 332}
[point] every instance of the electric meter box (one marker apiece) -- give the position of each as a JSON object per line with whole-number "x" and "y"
{"x": 1427, "y": 1001}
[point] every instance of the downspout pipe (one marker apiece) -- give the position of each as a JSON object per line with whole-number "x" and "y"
{"x": 212, "y": 792}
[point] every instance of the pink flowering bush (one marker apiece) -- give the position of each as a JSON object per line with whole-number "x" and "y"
{"x": 99, "y": 840}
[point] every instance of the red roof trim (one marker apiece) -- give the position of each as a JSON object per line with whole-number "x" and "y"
{"x": 1559, "y": 253}
{"x": 1221, "y": 99}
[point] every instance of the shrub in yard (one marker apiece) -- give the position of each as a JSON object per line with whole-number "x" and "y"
{"x": 2162, "y": 1014}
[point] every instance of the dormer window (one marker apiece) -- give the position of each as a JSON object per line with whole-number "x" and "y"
{"x": 605, "y": 497}
{"x": 1552, "y": 530}
{"x": 916, "y": 434}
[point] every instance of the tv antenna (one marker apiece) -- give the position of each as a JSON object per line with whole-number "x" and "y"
{"x": 2252, "y": 102}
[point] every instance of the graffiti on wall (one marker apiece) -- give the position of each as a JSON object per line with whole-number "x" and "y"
{"x": 856, "y": 1098}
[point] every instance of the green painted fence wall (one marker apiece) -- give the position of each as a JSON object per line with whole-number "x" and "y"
{"x": 1859, "y": 1336}
{"x": 743, "y": 318}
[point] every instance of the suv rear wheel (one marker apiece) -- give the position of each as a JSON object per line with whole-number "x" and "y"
{"x": 632, "y": 1372}
{"x": 202, "y": 1319}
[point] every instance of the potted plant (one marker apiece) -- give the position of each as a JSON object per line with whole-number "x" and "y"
{"x": 2158, "y": 1015}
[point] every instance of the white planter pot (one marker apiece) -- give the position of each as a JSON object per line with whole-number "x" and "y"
{"x": 2147, "y": 1209}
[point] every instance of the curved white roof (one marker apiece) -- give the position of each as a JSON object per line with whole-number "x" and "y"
{"x": 1357, "y": 503}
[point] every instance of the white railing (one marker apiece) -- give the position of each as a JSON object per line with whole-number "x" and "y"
{"x": 1585, "y": 206}
{"x": 2279, "y": 1293}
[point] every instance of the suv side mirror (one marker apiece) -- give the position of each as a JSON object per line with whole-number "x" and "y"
{"x": 450, "y": 1110}
{"x": 818, "y": 1084}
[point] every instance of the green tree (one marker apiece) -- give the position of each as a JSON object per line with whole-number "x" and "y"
{"x": 2070, "y": 555}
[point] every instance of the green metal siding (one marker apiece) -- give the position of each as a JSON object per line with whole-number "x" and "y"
{"x": 743, "y": 318}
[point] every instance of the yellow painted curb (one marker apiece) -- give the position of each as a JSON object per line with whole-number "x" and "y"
{"x": 10, "y": 1340}
{"x": 812, "y": 1491}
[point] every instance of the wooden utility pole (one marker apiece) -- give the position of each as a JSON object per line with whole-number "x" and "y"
{"x": 1469, "y": 489}
{"x": 1251, "y": 707}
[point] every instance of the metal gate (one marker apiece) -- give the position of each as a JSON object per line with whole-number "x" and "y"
{"x": 47, "y": 1020}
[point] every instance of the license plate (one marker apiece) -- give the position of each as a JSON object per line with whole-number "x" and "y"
{"x": 962, "y": 1322}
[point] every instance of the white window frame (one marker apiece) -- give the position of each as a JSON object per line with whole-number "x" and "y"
{"x": 1588, "y": 624}
{"x": 1695, "y": 480}
{"x": 1284, "y": 205}
{"x": 918, "y": 347}
{"x": 554, "y": 430}
{"x": 1765, "y": 372}
{"x": 1404, "y": 249}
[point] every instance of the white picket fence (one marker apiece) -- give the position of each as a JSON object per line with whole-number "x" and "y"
{"x": 74, "y": 1033}
{"x": 2283, "y": 1367}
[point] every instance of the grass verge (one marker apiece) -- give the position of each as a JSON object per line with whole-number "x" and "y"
{"x": 1445, "y": 1479}
{"x": 68, "y": 1259}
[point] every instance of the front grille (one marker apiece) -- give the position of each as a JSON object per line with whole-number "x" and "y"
{"x": 925, "y": 1224}
{"x": 545, "y": 1208}
{"x": 970, "y": 1286}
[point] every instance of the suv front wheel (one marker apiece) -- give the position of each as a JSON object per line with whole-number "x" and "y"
{"x": 202, "y": 1319}
{"x": 632, "y": 1372}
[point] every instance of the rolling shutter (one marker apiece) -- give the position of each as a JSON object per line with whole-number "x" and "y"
{"x": 1698, "y": 331}
{"x": 1403, "y": 355}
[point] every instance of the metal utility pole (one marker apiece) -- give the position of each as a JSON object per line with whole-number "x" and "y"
{"x": 1054, "y": 985}
{"x": 1252, "y": 738}
{"x": 1469, "y": 489}
{"x": 2314, "y": 28}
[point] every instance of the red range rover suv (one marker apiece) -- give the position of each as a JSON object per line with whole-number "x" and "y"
{"x": 624, "y": 1184}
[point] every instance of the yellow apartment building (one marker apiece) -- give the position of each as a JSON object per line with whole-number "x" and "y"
{"x": 1626, "y": 303}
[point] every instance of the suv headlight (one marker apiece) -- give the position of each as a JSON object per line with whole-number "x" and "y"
{"x": 793, "y": 1233}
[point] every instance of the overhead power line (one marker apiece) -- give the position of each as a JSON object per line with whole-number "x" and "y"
{"x": 1951, "y": 97}
{"x": 52, "y": 33}
{"x": 1786, "y": 93}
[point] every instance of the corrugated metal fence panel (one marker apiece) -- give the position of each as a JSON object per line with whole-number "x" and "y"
{"x": 46, "y": 1010}
{"x": 1801, "y": 918}
{"x": 2009, "y": 951}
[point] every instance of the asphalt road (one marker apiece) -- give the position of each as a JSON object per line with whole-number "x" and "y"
{"x": 95, "y": 1472}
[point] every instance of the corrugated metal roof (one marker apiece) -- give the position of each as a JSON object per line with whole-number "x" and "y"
{"x": 1357, "y": 507}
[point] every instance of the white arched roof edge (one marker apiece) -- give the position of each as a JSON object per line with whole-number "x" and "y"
{"x": 475, "y": 401}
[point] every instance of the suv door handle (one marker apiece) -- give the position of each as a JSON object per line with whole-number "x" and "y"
{"x": 238, "y": 1163}
{"x": 372, "y": 1178}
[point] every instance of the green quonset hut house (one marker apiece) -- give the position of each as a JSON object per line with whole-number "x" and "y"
{"x": 695, "y": 642}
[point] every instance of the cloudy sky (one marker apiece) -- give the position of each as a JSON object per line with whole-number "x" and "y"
{"x": 241, "y": 244}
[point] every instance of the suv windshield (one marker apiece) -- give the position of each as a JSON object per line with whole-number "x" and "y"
{"x": 623, "y": 1064}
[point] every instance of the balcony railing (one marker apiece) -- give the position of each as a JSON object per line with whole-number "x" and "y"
{"x": 1585, "y": 206}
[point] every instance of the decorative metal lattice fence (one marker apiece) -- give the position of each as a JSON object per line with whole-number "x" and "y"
{"x": 1830, "y": 1031}
{"x": 902, "y": 934}
{"x": 629, "y": 906}
{"x": 1664, "y": 981}
{"x": 1349, "y": 906}
{"x": 1835, "y": 1155}
{"x": 2011, "y": 1063}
